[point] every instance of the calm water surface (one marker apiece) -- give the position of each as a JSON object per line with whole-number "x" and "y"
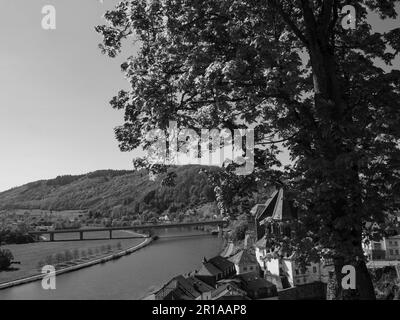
{"x": 132, "y": 276}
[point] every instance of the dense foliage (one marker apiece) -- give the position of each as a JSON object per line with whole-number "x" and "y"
{"x": 6, "y": 259}
{"x": 290, "y": 69}
{"x": 106, "y": 192}
{"x": 8, "y": 236}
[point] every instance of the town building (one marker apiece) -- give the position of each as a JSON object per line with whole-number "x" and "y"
{"x": 386, "y": 249}
{"x": 257, "y": 287}
{"x": 215, "y": 269}
{"x": 229, "y": 291}
{"x": 183, "y": 288}
{"x": 244, "y": 262}
{"x": 274, "y": 218}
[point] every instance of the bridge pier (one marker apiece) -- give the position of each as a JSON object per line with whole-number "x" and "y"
{"x": 110, "y": 231}
{"x": 51, "y": 236}
{"x": 81, "y": 235}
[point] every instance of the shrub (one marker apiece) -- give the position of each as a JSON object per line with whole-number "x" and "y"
{"x": 49, "y": 260}
{"x": 60, "y": 258}
{"x": 68, "y": 255}
{"x": 41, "y": 264}
{"x": 6, "y": 259}
{"x": 76, "y": 254}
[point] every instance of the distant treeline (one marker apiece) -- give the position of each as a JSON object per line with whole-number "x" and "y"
{"x": 107, "y": 191}
{"x": 8, "y": 236}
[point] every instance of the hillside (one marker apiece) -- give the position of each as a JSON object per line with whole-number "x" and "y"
{"x": 106, "y": 191}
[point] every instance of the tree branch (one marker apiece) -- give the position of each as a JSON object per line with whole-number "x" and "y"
{"x": 289, "y": 22}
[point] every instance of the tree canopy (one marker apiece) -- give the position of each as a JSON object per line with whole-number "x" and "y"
{"x": 288, "y": 68}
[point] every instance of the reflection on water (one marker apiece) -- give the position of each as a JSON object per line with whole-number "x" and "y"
{"x": 176, "y": 252}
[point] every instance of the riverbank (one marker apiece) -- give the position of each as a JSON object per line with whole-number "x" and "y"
{"x": 30, "y": 274}
{"x": 177, "y": 251}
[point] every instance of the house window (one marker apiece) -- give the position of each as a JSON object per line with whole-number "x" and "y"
{"x": 251, "y": 268}
{"x": 397, "y": 251}
{"x": 297, "y": 272}
{"x": 391, "y": 252}
{"x": 314, "y": 269}
{"x": 244, "y": 268}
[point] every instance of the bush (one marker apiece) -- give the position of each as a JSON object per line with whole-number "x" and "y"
{"x": 68, "y": 255}
{"x": 76, "y": 254}
{"x": 49, "y": 260}
{"x": 15, "y": 237}
{"x": 6, "y": 259}
{"x": 41, "y": 264}
{"x": 60, "y": 258}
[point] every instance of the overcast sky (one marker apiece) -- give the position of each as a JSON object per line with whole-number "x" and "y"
{"x": 54, "y": 89}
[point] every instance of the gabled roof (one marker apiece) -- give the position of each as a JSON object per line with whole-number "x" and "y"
{"x": 226, "y": 289}
{"x": 262, "y": 243}
{"x": 257, "y": 210}
{"x": 278, "y": 208}
{"x": 243, "y": 257}
{"x": 177, "y": 288}
{"x": 221, "y": 263}
{"x": 251, "y": 281}
{"x": 198, "y": 285}
{"x": 208, "y": 269}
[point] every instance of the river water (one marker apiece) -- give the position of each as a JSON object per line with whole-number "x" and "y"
{"x": 132, "y": 276}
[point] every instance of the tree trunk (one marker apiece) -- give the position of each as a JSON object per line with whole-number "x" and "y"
{"x": 364, "y": 287}
{"x": 330, "y": 108}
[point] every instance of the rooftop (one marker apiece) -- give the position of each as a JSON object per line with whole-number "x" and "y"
{"x": 243, "y": 257}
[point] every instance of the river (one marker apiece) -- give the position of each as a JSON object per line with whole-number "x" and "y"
{"x": 132, "y": 276}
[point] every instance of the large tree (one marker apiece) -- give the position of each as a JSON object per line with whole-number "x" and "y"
{"x": 328, "y": 93}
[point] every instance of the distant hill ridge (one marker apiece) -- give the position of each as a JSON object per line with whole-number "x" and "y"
{"x": 103, "y": 190}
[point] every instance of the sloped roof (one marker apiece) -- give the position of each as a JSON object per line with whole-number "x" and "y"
{"x": 199, "y": 285}
{"x": 208, "y": 269}
{"x": 243, "y": 257}
{"x": 177, "y": 288}
{"x": 252, "y": 281}
{"x": 278, "y": 208}
{"x": 229, "y": 287}
{"x": 221, "y": 263}
{"x": 262, "y": 243}
{"x": 257, "y": 210}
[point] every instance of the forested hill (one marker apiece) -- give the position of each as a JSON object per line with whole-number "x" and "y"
{"x": 104, "y": 190}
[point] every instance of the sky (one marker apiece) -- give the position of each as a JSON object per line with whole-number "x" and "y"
{"x": 55, "y": 86}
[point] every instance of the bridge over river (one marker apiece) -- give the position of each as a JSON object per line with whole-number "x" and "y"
{"x": 143, "y": 228}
